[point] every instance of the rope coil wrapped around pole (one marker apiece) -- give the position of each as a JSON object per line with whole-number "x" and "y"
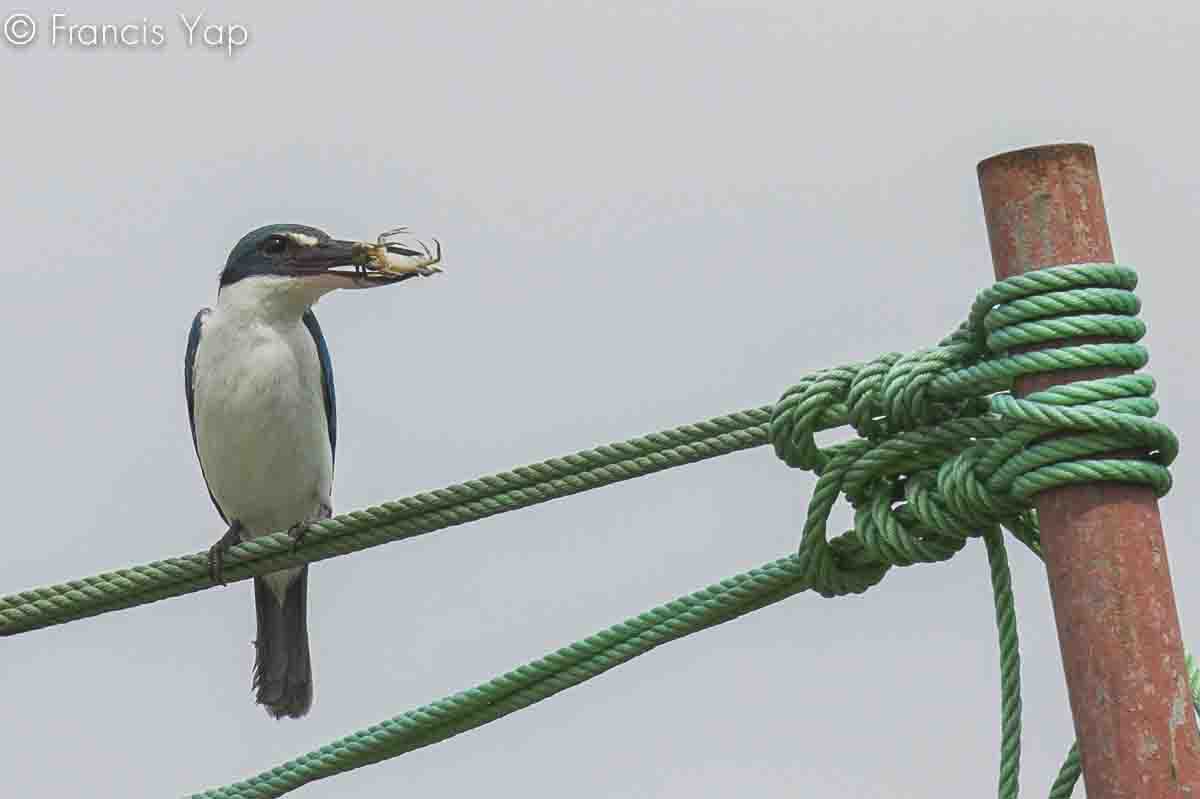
{"x": 943, "y": 454}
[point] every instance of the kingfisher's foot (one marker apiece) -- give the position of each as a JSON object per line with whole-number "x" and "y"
{"x": 216, "y": 553}
{"x": 297, "y": 531}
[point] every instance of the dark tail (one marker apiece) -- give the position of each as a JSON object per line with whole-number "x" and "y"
{"x": 282, "y": 668}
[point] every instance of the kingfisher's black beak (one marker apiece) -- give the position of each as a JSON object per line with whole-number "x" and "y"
{"x": 323, "y": 257}
{"x": 349, "y": 264}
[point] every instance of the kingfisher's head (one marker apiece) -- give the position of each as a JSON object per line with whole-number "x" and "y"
{"x": 303, "y": 263}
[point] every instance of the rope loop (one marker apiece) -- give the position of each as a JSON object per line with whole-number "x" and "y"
{"x": 945, "y": 451}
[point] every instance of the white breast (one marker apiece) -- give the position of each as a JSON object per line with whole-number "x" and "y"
{"x": 260, "y": 418}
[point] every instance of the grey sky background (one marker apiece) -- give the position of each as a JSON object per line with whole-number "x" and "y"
{"x": 653, "y": 213}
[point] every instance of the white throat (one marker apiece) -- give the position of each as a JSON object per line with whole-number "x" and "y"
{"x": 273, "y": 297}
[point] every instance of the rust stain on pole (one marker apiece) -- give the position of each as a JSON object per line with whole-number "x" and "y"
{"x": 1106, "y": 560}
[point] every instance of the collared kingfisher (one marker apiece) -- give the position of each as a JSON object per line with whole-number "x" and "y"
{"x": 261, "y": 403}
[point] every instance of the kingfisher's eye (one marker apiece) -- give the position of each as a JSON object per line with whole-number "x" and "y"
{"x": 274, "y": 245}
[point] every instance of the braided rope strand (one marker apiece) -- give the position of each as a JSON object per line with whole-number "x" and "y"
{"x": 943, "y": 454}
{"x": 404, "y": 518}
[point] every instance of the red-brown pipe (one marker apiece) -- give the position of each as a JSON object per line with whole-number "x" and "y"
{"x": 1103, "y": 542}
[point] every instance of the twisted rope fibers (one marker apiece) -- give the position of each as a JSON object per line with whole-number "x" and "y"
{"x": 392, "y": 521}
{"x": 944, "y": 453}
{"x": 936, "y": 462}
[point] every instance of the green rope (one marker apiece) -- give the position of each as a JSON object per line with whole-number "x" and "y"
{"x": 913, "y": 411}
{"x": 531, "y": 683}
{"x": 944, "y": 453}
{"x": 583, "y": 660}
{"x": 936, "y": 462}
{"x": 393, "y": 521}
{"x": 1010, "y": 663}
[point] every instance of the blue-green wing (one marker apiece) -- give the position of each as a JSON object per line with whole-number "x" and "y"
{"x": 310, "y": 321}
{"x": 189, "y": 372}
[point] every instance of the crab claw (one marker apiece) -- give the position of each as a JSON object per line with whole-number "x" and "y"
{"x": 396, "y": 259}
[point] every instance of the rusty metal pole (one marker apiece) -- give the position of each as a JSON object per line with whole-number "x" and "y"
{"x": 1118, "y": 627}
